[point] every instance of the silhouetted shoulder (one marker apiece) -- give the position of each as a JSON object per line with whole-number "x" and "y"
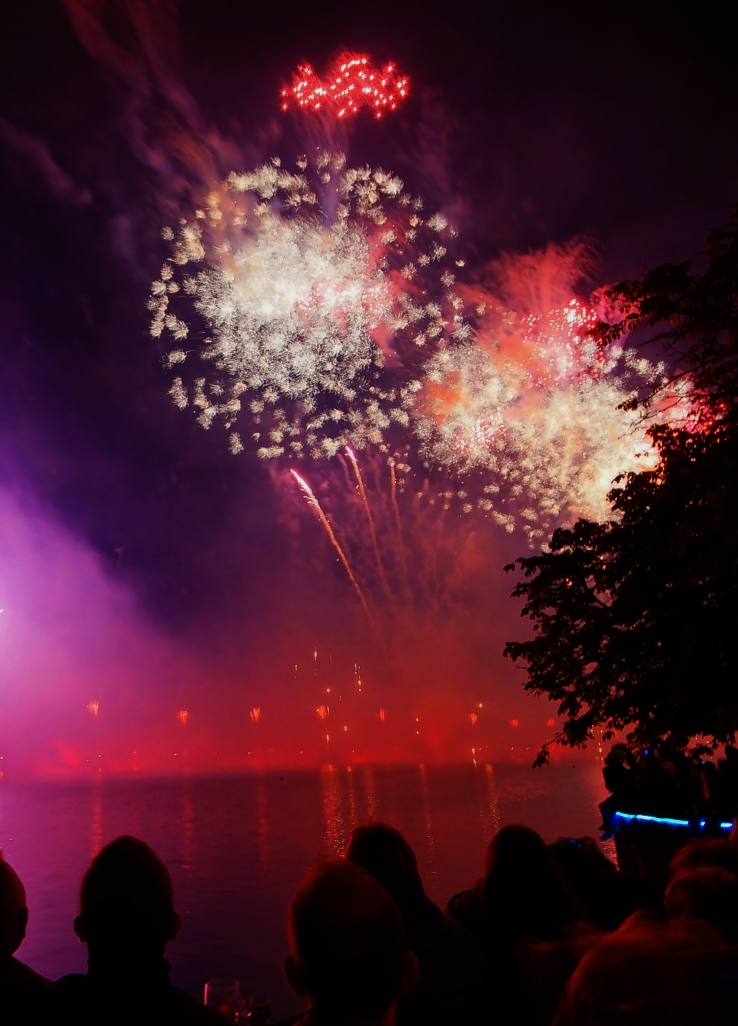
{"x": 189, "y": 1009}
{"x": 466, "y": 907}
{"x": 81, "y": 1000}
{"x": 451, "y": 976}
{"x": 678, "y": 972}
{"x": 448, "y": 939}
{"x": 14, "y": 974}
{"x": 20, "y": 987}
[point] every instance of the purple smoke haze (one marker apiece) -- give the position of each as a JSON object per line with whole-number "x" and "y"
{"x": 144, "y": 567}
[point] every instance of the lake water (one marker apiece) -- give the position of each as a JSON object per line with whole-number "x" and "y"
{"x": 237, "y": 846}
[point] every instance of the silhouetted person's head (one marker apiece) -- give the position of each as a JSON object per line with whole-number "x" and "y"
{"x": 349, "y": 947}
{"x": 384, "y": 853}
{"x": 523, "y": 887}
{"x": 705, "y": 851}
{"x": 516, "y": 852}
{"x": 127, "y": 903}
{"x": 13, "y": 910}
{"x": 709, "y": 893}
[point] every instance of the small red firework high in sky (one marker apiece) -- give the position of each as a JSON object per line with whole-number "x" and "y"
{"x": 352, "y": 82}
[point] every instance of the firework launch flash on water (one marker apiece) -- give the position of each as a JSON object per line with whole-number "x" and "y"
{"x": 313, "y": 319}
{"x": 352, "y": 82}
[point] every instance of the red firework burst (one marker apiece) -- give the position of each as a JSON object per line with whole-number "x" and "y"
{"x": 352, "y": 82}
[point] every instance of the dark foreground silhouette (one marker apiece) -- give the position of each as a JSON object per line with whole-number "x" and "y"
{"x": 349, "y": 949}
{"x": 451, "y": 980}
{"x": 126, "y": 918}
{"x": 19, "y": 984}
{"x": 548, "y": 934}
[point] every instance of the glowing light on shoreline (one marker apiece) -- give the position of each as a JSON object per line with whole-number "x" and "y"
{"x": 352, "y": 82}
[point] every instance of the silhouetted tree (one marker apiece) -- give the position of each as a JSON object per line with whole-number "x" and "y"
{"x": 636, "y": 619}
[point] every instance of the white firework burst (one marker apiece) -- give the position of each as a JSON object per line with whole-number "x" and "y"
{"x": 304, "y": 302}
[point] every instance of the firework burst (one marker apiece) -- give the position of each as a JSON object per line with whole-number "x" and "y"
{"x": 531, "y": 420}
{"x": 352, "y": 82}
{"x": 313, "y": 313}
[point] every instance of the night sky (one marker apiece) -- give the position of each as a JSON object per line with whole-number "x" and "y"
{"x": 145, "y": 566}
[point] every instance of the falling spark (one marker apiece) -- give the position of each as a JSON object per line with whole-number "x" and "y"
{"x": 183, "y": 716}
{"x": 255, "y": 714}
{"x": 352, "y": 82}
{"x": 312, "y": 501}
{"x": 474, "y": 719}
{"x": 93, "y": 708}
{"x": 382, "y": 714}
{"x": 322, "y": 711}
{"x": 398, "y": 528}
{"x": 369, "y": 519}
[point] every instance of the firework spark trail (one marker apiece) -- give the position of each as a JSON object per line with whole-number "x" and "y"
{"x": 313, "y": 501}
{"x": 398, "y": 528}
{"x": 370, "y": 521}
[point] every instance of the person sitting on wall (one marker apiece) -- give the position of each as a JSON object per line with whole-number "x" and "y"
{"x": 19, "y": 984}
{"x": 126, "y": 919}
{"x": 349, "y": 955}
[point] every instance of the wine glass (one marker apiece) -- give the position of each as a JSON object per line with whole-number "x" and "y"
{"x": 225, "y": 997}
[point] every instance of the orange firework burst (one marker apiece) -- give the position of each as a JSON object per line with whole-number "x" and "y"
{"x": 322, "y": 711}
{"x": 352, "y": 82}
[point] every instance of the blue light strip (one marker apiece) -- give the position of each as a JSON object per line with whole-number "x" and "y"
{"x": 640, "y": 818}
{"x": 653, "y": 819}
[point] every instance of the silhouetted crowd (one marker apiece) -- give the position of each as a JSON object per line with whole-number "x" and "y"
{"x": 548, "y": 934}
{"x": 664, "y": 782}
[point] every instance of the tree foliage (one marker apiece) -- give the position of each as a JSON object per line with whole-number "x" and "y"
{"x": 636, "y": 620}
